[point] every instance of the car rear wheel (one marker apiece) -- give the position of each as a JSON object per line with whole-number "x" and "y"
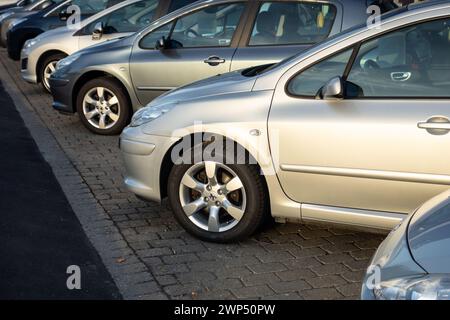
{"x": 47, "y": 67}
{"x": 218, "y": 202}
{"x": 103, "y": 106}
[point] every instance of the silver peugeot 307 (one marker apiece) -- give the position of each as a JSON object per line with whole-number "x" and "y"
{"x": 41, "y": 54}
{"x": 353, "y": 131}
{"x": 202, "y": 40}
{"x": 413, "y": 263}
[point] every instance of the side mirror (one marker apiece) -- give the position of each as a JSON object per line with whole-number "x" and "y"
{"x": 64, "y": 15}
{"x": 333, "y": 90}
{"x": 98, "y": 31}
{"x": 161, "y": 43}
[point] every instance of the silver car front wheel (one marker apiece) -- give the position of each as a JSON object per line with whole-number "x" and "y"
{"x": 213, "y": 197}
{"x": 101, "y": 108}
{"x": 48, "y": 71}
{"x": 215, "y": 200}
{"x": 47, "y": 67}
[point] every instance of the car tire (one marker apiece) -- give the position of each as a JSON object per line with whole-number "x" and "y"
{"x": 47, "y": 67}
{"x": 253, "y": 190}
{"x": 103, "y": 106}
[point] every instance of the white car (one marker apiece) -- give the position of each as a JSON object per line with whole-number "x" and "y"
{"x": 41, "y": 54}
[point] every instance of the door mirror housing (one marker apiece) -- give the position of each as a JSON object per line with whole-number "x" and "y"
{"x": 333, "y": 90}
{"x": 64, "y": 15}
{"x": 98, "y": 31}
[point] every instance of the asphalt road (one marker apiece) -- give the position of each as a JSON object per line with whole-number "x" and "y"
{"x": 40, "y": 236}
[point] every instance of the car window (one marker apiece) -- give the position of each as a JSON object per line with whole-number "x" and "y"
{"x": 411, "y": 62}
{"x": 213, "y": 26}
{"x": 130, "y": 18}
{"x": 87, "y": 7}
{"x": 287, "y": 23}
{"x": 149, "y": 41}
{"x": 177, "y": 4}
{"x": 310, "y": 81}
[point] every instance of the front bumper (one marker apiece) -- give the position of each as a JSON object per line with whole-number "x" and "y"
{"x": 28, "y": 67}
{"x": 61, "y": 90}
{"x": 143, "y": 157}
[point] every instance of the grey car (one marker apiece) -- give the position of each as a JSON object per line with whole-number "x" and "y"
{"x": 41, "y": 54}
{"x": 413, "y": 263}
{"x": 354, "y": 131}
{"x": 199, "y": 41}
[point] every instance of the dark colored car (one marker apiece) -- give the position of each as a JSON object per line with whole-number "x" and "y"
{"x": 54, "y": 16}
{"x": 12, "y": 4}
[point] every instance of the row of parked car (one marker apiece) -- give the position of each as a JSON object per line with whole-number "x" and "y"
{"x": 238, "y": 111}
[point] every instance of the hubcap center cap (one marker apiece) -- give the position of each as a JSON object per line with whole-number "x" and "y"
{"x": 214, "y": 196}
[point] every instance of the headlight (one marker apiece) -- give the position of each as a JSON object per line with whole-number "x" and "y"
{"x": 149, "y": 114}
{"x": 30, "y": 43}
{"x": 5, "y": 15}
{"x": 430, "y": 287}
{"x": 67, "y": 61}
{"x": 16, "y": 22}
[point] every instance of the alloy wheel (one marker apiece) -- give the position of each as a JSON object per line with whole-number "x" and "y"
{"x": 213, "y": 196}
{"x": 48, "y": 71}
{"x": 101, "y": 108}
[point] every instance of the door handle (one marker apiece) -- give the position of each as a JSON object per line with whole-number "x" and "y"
{"x": 436, "y": 125}
{"x": 401, "y": 76}
{"x": 214, "y": 61}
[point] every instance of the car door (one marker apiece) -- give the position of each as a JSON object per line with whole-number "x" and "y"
{"x": 386, "y": 145}
{"x": 200, "y": 44}
{"x": 120, "y": 22}
{"x": 280, "y": 29}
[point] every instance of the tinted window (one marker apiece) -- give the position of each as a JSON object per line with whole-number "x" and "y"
{"x": 284, "y": 23}
{"x": 87, "y": 7}
{"x": 149, "y": 41}
{"x": 309, "y": 82}
{"x": 211, "y": 27}
{"x": 131, "y": 18}
{"x": 412, "y": 62}
{"x": 177, "y": 4}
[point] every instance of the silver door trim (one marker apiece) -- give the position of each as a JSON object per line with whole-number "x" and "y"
{"x": 370, "y": 174}
{"x": 353, "y": 217}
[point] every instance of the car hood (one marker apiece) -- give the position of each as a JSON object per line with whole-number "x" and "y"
{"x": 12, "y": 10}
{"x": 107, "y": 45}
{"x": 429, "y": 235}
{"x": 54, "y": 33}
{"x": 227, "y": 83}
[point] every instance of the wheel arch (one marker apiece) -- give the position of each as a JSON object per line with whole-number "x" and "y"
{"x": 167, "y": 163}
{"x": 44, "y": 56}
{"x": 96, "y": 74}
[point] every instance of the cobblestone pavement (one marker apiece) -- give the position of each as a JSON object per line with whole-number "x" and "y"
{"x": 159, "y": 260}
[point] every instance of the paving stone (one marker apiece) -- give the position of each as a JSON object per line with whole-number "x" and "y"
{"x": 267, "y": 267}
{"x": 321, "y": 294}
{"x": 326, "y": 281}
{"x": 252, "y": 292}
{"x": 290, "y": 286}
{"x": 350, "y": 290}
{"x": 292, "y": 275}
{"x": 329, "y": 269}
